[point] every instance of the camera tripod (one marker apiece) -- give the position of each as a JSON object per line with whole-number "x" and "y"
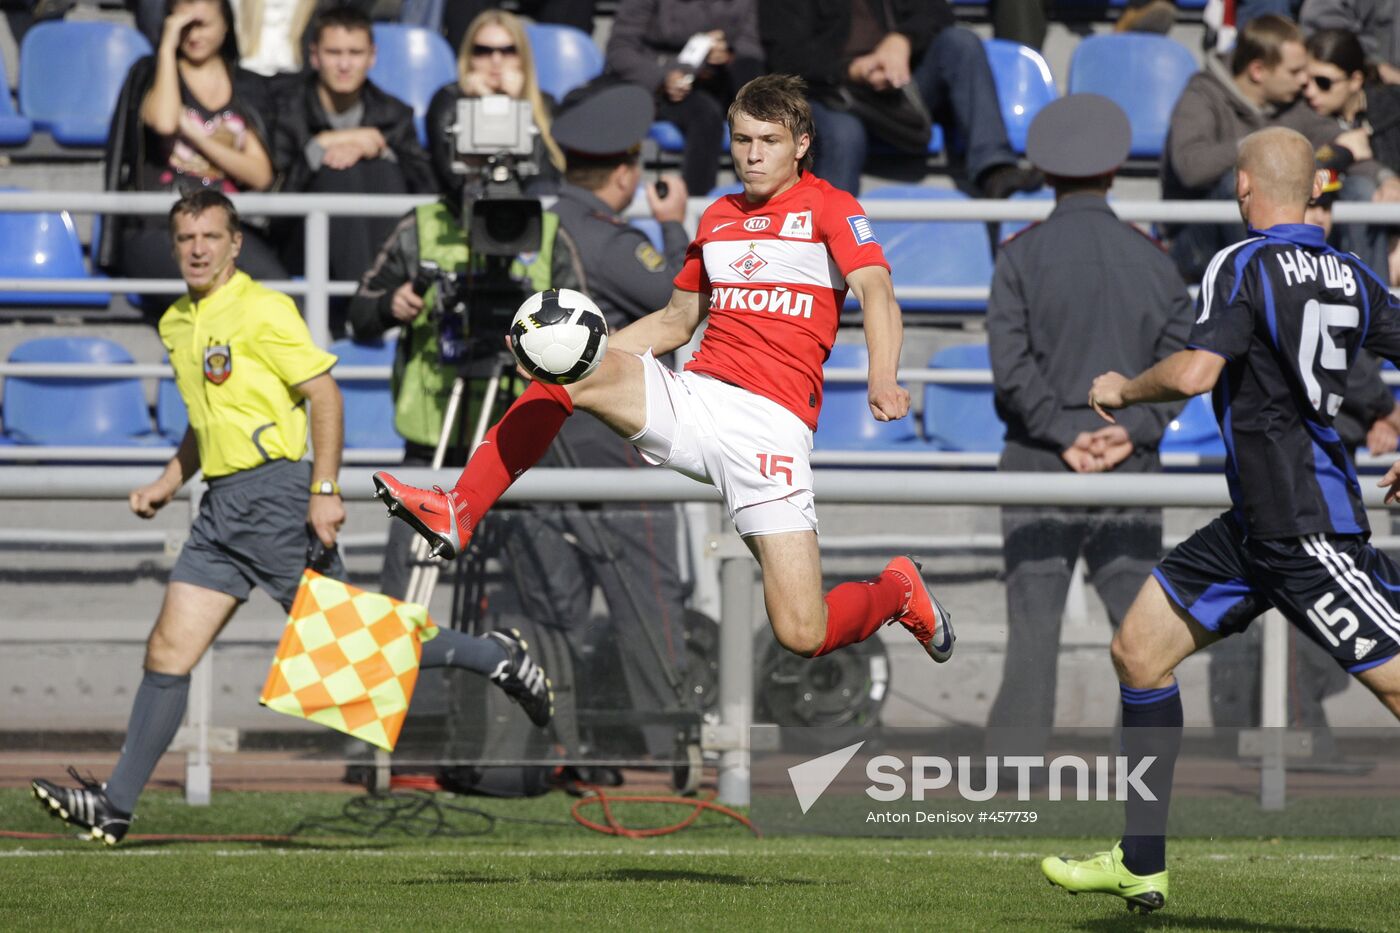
{"x": 588, "y": 534}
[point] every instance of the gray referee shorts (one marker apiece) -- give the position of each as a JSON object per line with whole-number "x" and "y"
{"x": 251, "y": 531}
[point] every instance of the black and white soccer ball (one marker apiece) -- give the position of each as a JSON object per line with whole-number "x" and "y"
{"x": 559, "y": 335}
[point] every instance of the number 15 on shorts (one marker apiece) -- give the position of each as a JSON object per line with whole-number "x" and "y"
{"x": 776, "y": 466}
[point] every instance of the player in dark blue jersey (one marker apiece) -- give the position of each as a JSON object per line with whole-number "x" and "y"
{"x": 1279, "y": 321}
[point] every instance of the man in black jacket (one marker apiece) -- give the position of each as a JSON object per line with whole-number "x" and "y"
{"x": 337, "y": 132}
{"x": 884, "y": 45}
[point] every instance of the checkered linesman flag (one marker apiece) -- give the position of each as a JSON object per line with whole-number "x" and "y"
{"x": 348, "y": 659}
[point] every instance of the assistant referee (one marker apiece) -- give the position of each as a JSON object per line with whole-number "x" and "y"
{"x": 246, "y": 367}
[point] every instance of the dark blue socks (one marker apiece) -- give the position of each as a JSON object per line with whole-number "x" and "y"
{"x": 1151, "y": 727}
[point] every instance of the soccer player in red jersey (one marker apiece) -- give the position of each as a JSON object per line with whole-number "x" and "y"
{"x": 770, "y": 267}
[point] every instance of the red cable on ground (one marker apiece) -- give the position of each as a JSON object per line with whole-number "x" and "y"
{"x": 615, "y": 828}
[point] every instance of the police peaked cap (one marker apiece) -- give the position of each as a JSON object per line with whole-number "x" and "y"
{"x": 603, "y": 118}
{"x": 1079, "y": 136}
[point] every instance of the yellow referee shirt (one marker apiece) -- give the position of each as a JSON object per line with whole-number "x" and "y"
{"x": 237, "y": 354}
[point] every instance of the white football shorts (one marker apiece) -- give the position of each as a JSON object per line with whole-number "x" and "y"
{"x": 753, "y": 450}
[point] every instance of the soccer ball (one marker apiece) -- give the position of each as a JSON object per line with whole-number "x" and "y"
{"x": 559, "y": 335}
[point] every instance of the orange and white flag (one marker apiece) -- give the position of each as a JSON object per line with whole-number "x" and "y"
{"x": 348, "y": 659}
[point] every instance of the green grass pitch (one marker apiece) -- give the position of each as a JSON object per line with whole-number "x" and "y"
{"x": 714, "y": 876}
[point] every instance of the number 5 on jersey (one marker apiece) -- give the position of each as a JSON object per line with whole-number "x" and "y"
{"x": 776, "y": 466}
{"x": 1316, "y": 343}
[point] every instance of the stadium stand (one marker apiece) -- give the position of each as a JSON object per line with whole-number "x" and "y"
{"x": 369, "y": 408}
{"x": 172, "y": 418}
{"x": 962, "y": 417}
{"x": 846, "y": 422}
{"x": 564, "y": 58}
{"x": 1024, "y": 85}
{"x": 1194, "y": 431}
{"x": 412, "y": 63}
{"x": 43, "y": 245}
{"x": 70, "y": 74}
{"x": 928, "y": 253}
{"x": 76, "y": 412}
{"x": 1141, "y": 73}
{"x": 15, "y": 129}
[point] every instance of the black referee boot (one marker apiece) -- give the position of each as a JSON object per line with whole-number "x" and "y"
{"x": 85, "y": 807}
{"x": 522, "y": 679}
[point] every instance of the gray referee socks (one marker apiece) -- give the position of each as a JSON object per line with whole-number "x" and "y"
{"x": 155, "y": 716}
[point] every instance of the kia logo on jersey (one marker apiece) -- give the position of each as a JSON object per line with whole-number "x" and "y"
{"x": 797, "y": 226}
{"x": 755, "y": 224}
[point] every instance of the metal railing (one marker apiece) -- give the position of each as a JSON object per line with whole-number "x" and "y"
{"x": 318, "y": 209}
{"x": 736, "y": 569}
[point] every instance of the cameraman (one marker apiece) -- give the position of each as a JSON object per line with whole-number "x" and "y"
{"x": 626, "y": 549}
{"x": 389, "y": 297}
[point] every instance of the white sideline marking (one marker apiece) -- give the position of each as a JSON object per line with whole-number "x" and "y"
{"x": 632, "y": 853}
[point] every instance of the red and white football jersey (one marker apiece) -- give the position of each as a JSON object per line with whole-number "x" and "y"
{"x": 776, "y": 274}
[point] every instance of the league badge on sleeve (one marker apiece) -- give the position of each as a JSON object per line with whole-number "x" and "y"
{"x": 863, "y": 230}
{"x": 218, "y": 363}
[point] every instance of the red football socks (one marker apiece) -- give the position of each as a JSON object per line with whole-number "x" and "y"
{"x": 513, "y": 445}
{"x": 854, "y": 611}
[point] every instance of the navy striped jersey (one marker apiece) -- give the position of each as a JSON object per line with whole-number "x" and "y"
{"x": 1288, "y": 314}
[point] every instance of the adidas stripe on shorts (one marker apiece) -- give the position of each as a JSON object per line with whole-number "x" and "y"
{"x": 1338, "y": 589}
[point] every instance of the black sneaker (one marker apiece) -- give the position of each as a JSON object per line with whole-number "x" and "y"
{"x": 85, "y": 807}
{"x": 1002, "y": 181}
{"x": 522, "y": 679}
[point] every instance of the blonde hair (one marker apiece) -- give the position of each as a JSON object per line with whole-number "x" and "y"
{"x": 1280, "y": 164}
{"x": 512, "y": 24}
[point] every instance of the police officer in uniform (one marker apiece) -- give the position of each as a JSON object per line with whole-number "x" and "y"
{"x": 1080, "y": 293}
{"x": 627, "y": 549}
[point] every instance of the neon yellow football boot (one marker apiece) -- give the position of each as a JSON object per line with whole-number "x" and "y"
{"x": 1103, "y": 873}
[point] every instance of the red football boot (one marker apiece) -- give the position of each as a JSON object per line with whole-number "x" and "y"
{"x": 923, "y": 615}
{"x": 439, "y": 516}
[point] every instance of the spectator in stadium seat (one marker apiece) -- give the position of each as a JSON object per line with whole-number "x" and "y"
{"x": 457, "y": 15}
{"x": 495, "y": 58}
{"x": 647, "y": 38}
{"x": 1344, "y": 88}
{"x": 337, "y": 132}
{"x": 187, "y": 117}
{"x": 1220, "y": 106}
{"x": 827, "y": 42}
{"x": 1078, "y": 292}
{"x": 1375, "y": 22}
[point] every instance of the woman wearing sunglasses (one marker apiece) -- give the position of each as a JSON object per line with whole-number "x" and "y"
{"x": 1344, "y": 87}
{"x": 495, "y": 58}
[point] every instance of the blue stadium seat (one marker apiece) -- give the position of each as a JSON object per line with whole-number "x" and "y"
{"x": 1194, "y": 431}
{"x": 1024, "y": 85}
{"x": 962, "y": 417}
{"x": 845, "y": 422}
{"x": 652, "y": 228}
{"x": 412, "y": 63}
{"x": 70, "y": 74}
{"x": 1010, "y": 228}
{"x": 565, "y": 57}
{"x": 15, "y": 130}
{"x": 369, "y": 408}
{"x": 43, "y": 245}
{"x": 934, "y": 252}
{"x": 1142, "y": 73}
{"x": 668, "y": 137}
{"x": 76, "y": 412}
{"x": 172, "y": 418}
